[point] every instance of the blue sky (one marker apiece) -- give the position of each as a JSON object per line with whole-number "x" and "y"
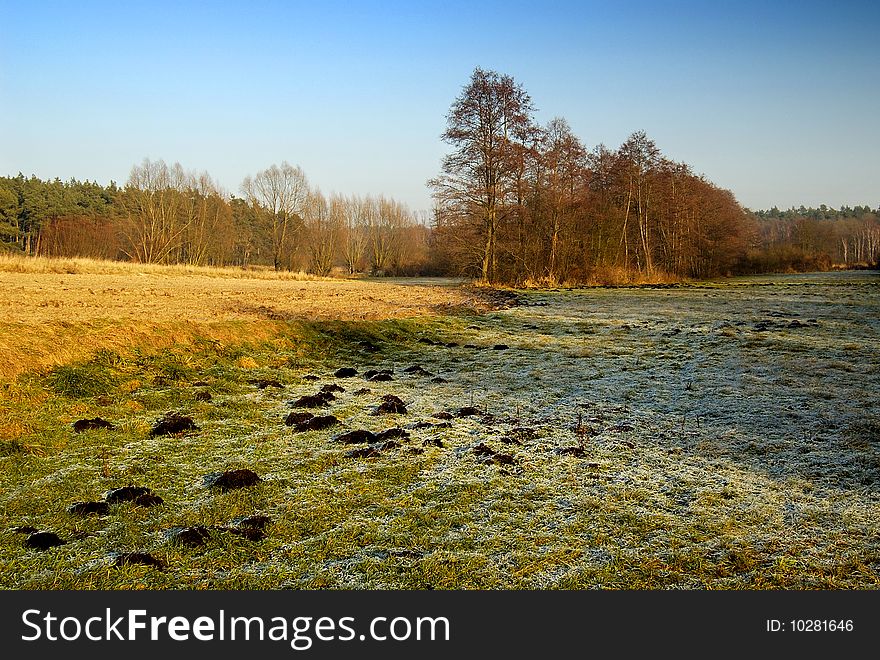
{"x": 777, "y": 101}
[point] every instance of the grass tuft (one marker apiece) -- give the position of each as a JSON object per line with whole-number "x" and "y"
{"x": 82, "y": 381}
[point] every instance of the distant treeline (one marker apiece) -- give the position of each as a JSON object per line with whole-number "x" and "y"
{"x": 165, "y": 214}
{"x": 516, "y": 203}
{"x": 806, "y": 239}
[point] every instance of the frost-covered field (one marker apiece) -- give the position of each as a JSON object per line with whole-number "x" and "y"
{"x": 723, "y": 435}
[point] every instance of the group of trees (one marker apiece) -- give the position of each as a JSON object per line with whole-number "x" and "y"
{"x": 520, "y": 202}
{"x": 166, "y": 214}
{"x": 515, "y": 202}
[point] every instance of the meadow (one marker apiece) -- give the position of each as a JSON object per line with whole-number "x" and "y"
{"x": 718, "y": 435}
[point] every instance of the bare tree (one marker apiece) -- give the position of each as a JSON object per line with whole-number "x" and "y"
{"x": 208, "y": 236}
{"x": 564, "y": 163}
{"x": 492, "y": 114}
{"x": 278, "y": 194}
{"x": 322, "y": 230}
{"x": 154, "y": 206}
{"x": 383, "y": 217}
{"x": 352, "y": 218}
{"x": 641, "y": 158}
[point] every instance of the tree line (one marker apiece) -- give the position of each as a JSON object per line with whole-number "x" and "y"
{"x": 515, "y": 203}
{"x": 166, "y": 214}
{"x": 805, "y": 239}
{"x": 518, "y": 202}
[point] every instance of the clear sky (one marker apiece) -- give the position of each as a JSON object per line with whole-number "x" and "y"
{"x": 778, "y": 101}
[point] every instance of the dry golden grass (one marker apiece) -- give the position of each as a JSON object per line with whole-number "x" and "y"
{"x": 16, "y": 263}
{"x": 610, "y": 276}
{"x": 35, "y": 347}
{"x": 57, "y": 311}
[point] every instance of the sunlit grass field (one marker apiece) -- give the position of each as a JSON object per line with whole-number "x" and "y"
{"x": 714, "y": 436}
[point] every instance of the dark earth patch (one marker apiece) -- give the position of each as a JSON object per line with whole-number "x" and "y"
{"x": 295, "y": 418}
{"x": 89, "y": 509}
{"x": 391, "y": 405}
{"x": 389, "y": 434}
{"x": 189, "y": 537}
{"x": 81, "y": 425}
{"x": 318, "y": 400}
{"x": 316, "y": 423}
{"x": 43, "y": 540}
{"x": 173, "y": 423}
{"x": 125, "y": 494}
{"x": 231, "y": 479}
{"x": 355, "y": 437}
{"x": 148, "y": 499}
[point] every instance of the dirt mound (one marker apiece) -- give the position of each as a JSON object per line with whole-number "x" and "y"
{"x": 372, "y": 451}
{"x": 391, "y": 405}
{"x": 316, "y": 423}
{"x": 496, "y": 298}
{"x": 333, "y": 387}
{"x": 173, "y": 423}
{"x": 390, "y": 434}
{"x": 295, "y": 418}
{"x": 417, "y": 370}
{"x": 148, "y": 499}
{"x": 345, "y": 372}
{"x": 483, "y": 449}
{"x": 188, "y": 537}
{"x": 231, "y": 479}
{"x": 81, "y": 425}
{"x": 125, "y": 494}
{"x": 256, "y": 521}
{"x": 203, "y": 396}
{"x": 355, "y": 437}
{"x": 250, "y": 533}
{"x": 89, "y": 509}
{"x": 252, "y": 528}
{"x": 43, "y": 540}
{"x": 318, "y": 400}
